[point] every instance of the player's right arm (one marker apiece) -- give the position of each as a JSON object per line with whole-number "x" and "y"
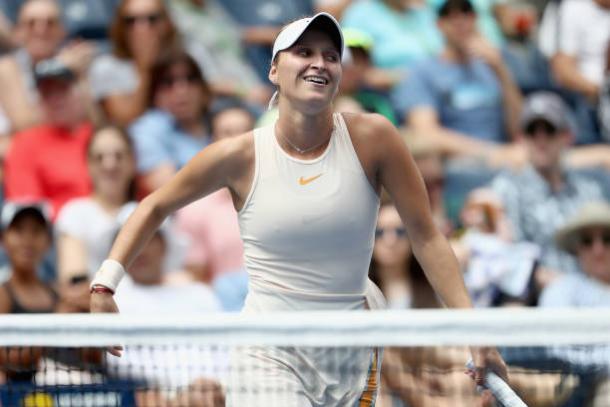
{"x": 222, "y": 164}
{"x": 227, "y": 163}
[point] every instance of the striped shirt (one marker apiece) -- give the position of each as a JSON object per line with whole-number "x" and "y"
{"x": 536, "y": 212}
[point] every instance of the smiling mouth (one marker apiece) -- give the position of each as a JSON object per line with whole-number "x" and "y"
{"x": 318, "y": 80}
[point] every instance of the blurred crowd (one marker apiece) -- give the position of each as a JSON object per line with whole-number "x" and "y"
{"x": 505, "y": 106}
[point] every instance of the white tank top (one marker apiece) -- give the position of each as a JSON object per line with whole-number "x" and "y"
{"x": 308, "y": 227}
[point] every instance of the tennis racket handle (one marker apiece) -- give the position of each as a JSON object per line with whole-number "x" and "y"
{"x": 500, "y": 389}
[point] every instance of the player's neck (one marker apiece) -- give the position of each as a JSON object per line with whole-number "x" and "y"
{"x": 304, "y": 130}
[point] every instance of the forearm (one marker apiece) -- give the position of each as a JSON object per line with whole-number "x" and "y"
{"x": 567, "y": 75}
{"x": 442, "y": 270}
{"x": 511, "y": 100}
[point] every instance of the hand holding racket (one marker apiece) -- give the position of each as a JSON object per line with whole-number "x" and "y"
{"x": 490, "y": 373}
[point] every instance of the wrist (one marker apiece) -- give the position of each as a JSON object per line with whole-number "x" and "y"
{"x": 100, "y": 289}
{"x": 109, "y": 275}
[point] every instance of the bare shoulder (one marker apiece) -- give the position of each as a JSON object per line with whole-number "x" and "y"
{"x": 238, "y": 164}
{"x": 373, "y": 131}
{"x": 371, "y": 128}
{"x": 237, "y": 151}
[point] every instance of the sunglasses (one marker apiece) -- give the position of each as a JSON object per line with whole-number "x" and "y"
{"x": 399, "y": 232}
{"x": 169, "y": 81}
{"x": 150, "y": 19}
{"x": 98, "y": 157}
{"x": 49, "y": 22}
{"x": 540, "y": 126}
{"x": 588, "y": 239}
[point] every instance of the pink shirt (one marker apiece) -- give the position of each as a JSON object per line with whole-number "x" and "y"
{"x": 211, "y": 225}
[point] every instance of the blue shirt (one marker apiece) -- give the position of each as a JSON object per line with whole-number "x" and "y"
{"x": 400, "y": 38}
{"x": 158, "y": 140}
{"x": 466, "y": 97}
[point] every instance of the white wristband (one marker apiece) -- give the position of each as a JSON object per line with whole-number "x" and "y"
{"x": 109, "y": 274}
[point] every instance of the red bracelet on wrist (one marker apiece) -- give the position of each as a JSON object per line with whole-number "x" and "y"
{"x": 98, "y": 288}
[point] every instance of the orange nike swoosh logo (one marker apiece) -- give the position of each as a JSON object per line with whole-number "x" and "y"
{"x": 305, "y": 181}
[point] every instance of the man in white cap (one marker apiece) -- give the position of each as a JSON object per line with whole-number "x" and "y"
{"x": 306, "y": 189}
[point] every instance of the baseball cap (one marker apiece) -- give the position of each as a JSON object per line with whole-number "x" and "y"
{"x": 545, "y": 106}
{"x": 53, "y": 69}
{"x": 12, "y": 209}
{"x": 447, "y": 6}
{"x": 293, "y": 31}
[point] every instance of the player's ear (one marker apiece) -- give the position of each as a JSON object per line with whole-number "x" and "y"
{"x": 273, "y": 73}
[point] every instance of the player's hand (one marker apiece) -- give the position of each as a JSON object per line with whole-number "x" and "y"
{"x": 104, "y": 303}
{"x": 487, "y": 358}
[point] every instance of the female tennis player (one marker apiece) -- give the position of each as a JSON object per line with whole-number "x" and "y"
{"x": 306, "y": 189}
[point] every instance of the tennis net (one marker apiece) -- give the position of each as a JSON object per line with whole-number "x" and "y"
{"x": 555, "y": 358}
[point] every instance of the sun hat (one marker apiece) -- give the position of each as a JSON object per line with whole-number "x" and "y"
{"x": 593, "y": 214}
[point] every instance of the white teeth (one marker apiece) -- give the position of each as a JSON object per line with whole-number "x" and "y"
{"x": 316, "y": 79}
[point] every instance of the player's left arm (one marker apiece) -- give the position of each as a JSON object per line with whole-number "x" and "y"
{"x": 398, "y": 174}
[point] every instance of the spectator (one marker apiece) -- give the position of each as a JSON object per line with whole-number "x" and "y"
{"x": 26, "y": 235}
{"x": 542, "y": 196}
{"x": 403, "y": 31}
{"x": 216, "y": 251}
{"x": 497, "y": 271}
{"x": 207, "y": 24}
{"x": 145, "y": 292}
{"x": 492, "y": 16}
{"x": 361, "y": 88}
{"x": 466, "y": 91}
{"x": 529, "y": 67}
{"x": 575, "y": 36}
{"x": 85, "y": 226}
{"x": 40, "y": 33}
{"x": 433, "y": 376}
{"x": 586, "y": 235}
{"x": 176, "y": 127}
{"x": 141, "y": 31}
{"x": 49, "y": 161}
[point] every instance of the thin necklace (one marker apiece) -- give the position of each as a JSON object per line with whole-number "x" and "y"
{"x": 303, "y": 150}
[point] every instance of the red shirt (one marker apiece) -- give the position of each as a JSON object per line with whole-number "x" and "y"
{"x": 50, "y": 163}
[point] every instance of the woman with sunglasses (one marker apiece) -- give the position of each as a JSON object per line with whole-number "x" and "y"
{"x": 140, "y": 32}
{"x": 306, "y": 189}
{"x": 176, "y": 126}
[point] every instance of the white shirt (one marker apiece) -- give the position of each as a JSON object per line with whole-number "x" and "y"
{"x": 582, "y": 31}
{"x": 85, "y": 220}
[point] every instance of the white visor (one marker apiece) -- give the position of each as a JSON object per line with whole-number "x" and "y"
{"x": 293, "y": 31}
